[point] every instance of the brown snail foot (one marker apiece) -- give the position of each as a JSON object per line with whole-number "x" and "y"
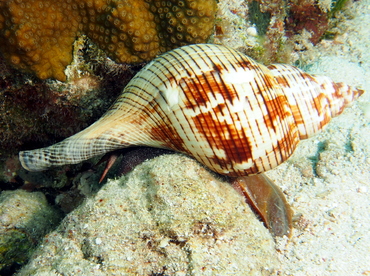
{"x": 267, "y": 201}
{"x": 132, "y": 157}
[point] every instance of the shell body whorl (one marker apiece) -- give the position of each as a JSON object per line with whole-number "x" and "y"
{"x": 213, "y": 103}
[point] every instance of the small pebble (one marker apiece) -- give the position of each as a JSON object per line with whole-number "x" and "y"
{"x": 252, "y": 31}
{"x": 362, "y": 189}
{"x": 98, "y": 241}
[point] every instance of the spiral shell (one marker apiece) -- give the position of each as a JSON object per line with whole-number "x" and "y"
{"x": 213, "y": 103}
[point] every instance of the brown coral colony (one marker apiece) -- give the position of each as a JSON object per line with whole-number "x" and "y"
{"x": 37, "y": 35}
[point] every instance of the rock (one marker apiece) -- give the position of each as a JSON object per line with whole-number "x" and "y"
{"x": 159, "y": 221}
{"x": 24, "y": 219}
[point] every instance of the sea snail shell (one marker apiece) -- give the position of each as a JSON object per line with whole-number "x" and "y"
{"x": 213, "y": 103}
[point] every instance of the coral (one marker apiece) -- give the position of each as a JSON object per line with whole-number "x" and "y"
{"x": 37, "y": 36}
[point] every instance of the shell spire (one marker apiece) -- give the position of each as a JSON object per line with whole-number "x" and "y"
{"x": 235, "y": 116}
{"x": 313, "y": 99}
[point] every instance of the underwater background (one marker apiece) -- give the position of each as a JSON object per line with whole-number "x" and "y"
{"x": 171, "y": 216}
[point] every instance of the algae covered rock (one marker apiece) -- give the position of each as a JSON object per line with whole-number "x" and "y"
{"x": 157, "y": 221}
{"x": 24, "y": 219}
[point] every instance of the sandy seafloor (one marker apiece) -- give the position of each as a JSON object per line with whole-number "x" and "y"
{"x": 327, "y": 181}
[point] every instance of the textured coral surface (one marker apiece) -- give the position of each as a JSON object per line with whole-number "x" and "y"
{"x": 37, "y": 35}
